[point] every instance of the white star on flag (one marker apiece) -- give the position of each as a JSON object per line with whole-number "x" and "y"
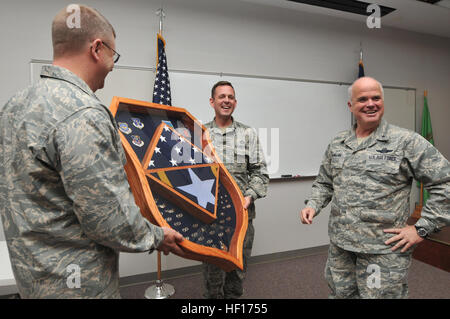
{"x": 200, "y": 189}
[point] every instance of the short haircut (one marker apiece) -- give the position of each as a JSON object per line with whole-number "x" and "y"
{"x": 68, "y": 39}
{"x": 350, "y": 88}
{"x": 220, "y": 83}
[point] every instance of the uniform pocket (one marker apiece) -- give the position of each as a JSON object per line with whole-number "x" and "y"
{"x": 377, "y": 216}
{"x": 382, "y": 163}
{"x": 236, "y": 168}
{"x": 337, "y": 164}
{"x": 239, "y": 164}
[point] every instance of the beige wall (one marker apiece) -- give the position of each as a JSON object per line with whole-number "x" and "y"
{"x": 239, "y": 37}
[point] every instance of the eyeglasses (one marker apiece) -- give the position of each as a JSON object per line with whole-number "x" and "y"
{"x": 116, "y": 55}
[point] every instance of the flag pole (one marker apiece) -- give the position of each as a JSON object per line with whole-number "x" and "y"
{"x": 160, "y": 12}
{"x": 421, "y": 195}
{"x": 360, "y": 51}
{"x": 160, "y": 290}
{"x": 425, "y": 93}
{"x": 418, "y": 210}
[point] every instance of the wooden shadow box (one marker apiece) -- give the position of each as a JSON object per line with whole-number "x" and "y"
{"x": 178, "y": 180}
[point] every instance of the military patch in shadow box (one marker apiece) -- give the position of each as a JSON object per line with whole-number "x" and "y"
{"x": 178, "y": 180}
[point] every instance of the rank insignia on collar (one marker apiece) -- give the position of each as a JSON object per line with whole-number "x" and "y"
{"x": 136, "y": 140}
{"x": 123, "y": 127}
{"x": 384, "y": 150}
{"x": 137, "y": 123}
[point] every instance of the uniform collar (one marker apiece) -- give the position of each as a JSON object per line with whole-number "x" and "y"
{"x": 60, "y": 73}
{"x": 232, "y": 127}
{"x": 380, "y": 134}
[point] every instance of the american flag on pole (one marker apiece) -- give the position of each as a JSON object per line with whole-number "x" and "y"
{"x": 161, "y": 89}
{"x": 360, "y": 65}
{"x": 360, "y": 69}
{"x": 185, "y": 181}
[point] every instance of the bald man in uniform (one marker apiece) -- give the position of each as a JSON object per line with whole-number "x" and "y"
{"x": 367, "y": 172}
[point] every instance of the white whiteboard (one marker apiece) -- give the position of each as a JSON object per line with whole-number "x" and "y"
{"x": 295, "y": 119}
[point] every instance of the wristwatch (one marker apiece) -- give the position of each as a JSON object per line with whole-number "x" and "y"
{"x": 422, "y": 232}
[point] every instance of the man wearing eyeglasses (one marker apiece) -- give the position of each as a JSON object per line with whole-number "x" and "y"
{"x": 65, "y": 202}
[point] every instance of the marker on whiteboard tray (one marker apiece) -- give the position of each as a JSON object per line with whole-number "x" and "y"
{"x": 286, "y": 176}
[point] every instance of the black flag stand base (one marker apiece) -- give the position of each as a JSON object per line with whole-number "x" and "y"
{"x": 160, "y": 290}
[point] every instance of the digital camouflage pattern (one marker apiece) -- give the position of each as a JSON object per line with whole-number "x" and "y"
{"x": 228, "y": 285}
{"x": 368, "y": 276}
{"x": 370, "y": 184}
{"x": 239, "y": 149}
{"x": 65, "y": 200}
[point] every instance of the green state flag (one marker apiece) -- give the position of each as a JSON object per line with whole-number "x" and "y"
{"x": 427, "y": 133}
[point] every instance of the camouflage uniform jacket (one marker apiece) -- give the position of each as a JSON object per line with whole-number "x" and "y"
{"x": 238, "y": 147}
{"x": 64, "y": 196}
{"x": 370, "y": 184}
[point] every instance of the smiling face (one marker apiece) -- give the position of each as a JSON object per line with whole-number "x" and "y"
{"x": 224, "y": 102}
{"x": 367, "y": 104}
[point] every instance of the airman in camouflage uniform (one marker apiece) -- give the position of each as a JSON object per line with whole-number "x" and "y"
{"x": 238, "y": 147}
{"x": 367, "y": 175}
{"x": 65, "y": 202}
